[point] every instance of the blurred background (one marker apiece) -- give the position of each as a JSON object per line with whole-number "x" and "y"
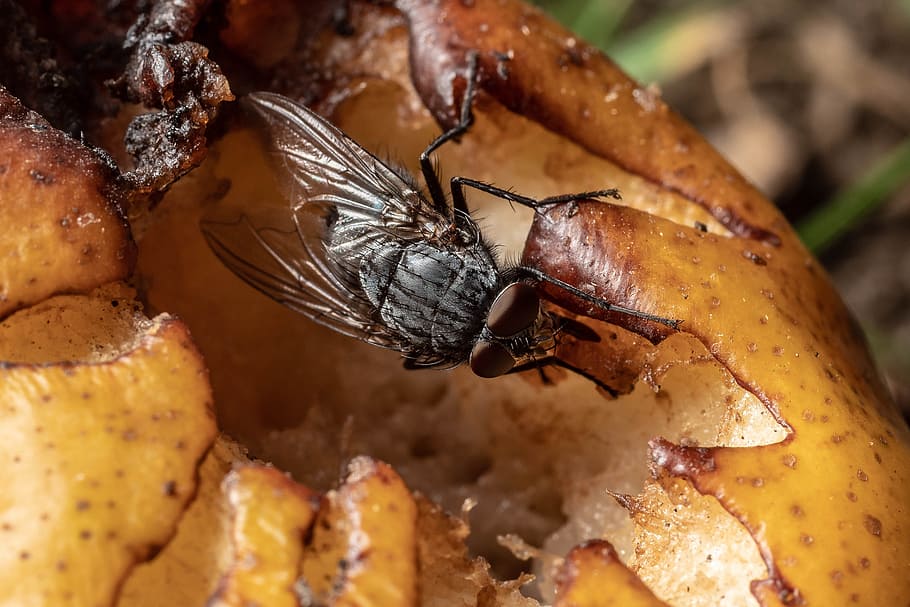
{"x": 811, "y": 101}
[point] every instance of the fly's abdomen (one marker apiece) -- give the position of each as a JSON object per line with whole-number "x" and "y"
{"x": 434, "y": 298}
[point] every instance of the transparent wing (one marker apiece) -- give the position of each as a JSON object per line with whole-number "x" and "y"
{"x": 274, "y": 259}
{"x": 319, "y": 164}
{"x": 288, "y": 252}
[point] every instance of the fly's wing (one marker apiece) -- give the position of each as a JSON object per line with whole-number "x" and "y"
{"x": 272, "y": 257}
{"x": 327, "y": 178}
{"x": 320, "y": 165}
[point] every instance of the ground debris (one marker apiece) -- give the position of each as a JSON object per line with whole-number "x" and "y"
{"x": 30, "y": 71}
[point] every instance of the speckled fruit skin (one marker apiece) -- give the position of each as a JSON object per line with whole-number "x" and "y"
{"x": 269, "y": 515}
{"x": 364, "y": 549}
{"x": 828, "y": 506}
{"x": 591, "y": 568}
{"x": 62, "y": 229}
{"x": 101, "y": 463}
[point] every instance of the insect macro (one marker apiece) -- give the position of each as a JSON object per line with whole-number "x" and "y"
{"x": 371, "y": 256}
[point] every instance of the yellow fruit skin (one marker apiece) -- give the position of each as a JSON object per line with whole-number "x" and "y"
{"x": 828, "y": 506}
{"x": 100, "y": 461}
{"x": 593, "y": 576}
{"x": 271, "y": 516}
{"x": 69, "y": 234}
{"x": 188, "y": 570}
{"x": 364, "y": 552}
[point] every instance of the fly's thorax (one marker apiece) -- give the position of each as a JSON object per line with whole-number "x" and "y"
{"x": 351, "y": 240}
{"x": 432, "y": 296}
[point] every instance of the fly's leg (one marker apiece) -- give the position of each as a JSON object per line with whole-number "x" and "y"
{"x": 540, "y": 276}
{"x": 542, "y": 363}
{"x": 466, "y": 119}
{"x": 543, "y": 376}
{"x": 341, "y": 19}
{"x": 464, "y": 123}
{"x": 577, "y": 330}
{"x": 459, "y": 183}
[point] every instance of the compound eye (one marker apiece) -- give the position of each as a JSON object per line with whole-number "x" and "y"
{"x": 490, "y": 359}
{"x": 514, "y": 310}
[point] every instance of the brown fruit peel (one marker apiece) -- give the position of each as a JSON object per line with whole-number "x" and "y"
{"x": 29, "y": 69}
{"x": 593, "y": 576}
{"x": 112, "y": 451}
{"x": 167, "y": 70}
{"x": 70, "y": 234}
{"x": 826, "y": 505}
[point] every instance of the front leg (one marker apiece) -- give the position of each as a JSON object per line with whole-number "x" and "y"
{"x": 458, "y": 197}
{"x": 542, "y": 363}
{"x": 529, "y": 273}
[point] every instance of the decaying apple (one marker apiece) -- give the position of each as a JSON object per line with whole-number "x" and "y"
{"x": 752, "y": 457}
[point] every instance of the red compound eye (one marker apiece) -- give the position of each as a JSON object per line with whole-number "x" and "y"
{"x": 490, "y": 359}
{"x": 514, "y": 310}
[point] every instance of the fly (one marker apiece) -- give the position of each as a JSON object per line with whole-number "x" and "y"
{"x": 366, "y": 253}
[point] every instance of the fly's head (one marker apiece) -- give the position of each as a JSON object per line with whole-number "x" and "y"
{"x": 516, "y": 331}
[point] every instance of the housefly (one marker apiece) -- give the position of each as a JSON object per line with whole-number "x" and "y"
{"x": 366, "y": 253}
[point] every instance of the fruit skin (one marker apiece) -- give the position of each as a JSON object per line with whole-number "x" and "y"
{"x": 189, "y": 568}
{"x": 70, "y": 235}
{"x": 363, "y": 551}
{"x": 538, "y": 69}
{"x": 593, "y": 576}
{"x": 827, "y": 505}
{"x": 271, "y": 515}
{"x": 353, "y": 546}
{"x": 101, "y": 460}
